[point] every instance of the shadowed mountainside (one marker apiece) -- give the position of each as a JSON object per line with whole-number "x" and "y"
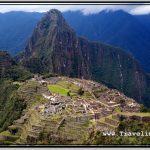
{"x": 118, "y": 28}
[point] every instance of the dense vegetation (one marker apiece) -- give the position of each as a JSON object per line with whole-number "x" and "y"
{"x": 18, "y": 73}
{"x": 11, "y": 105}
{"x": 127, "y": 126}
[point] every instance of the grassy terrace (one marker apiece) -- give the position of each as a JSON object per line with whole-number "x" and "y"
{"x": 136, "y": 114}
{"x": 58, "y": 89}
{"x": 102, "y": 120}
{"x": 68, "y": 85}
{"x": 64, "y": 88}
{"x": 8, "y": 134}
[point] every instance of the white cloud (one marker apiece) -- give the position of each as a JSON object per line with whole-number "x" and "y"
{"x": 98, "y": 8}
{"x": 143, "y": 9}
{"x": 86, "y": 9}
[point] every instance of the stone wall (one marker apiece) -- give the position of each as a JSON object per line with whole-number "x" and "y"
{"x": 85, "y": 117}
{"x": 131, "y": 117}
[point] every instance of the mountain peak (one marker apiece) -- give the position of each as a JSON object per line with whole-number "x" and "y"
{"x": 54, "y": 11}
{"x": 54, "y": 16}
{"x": 47, "y": 32}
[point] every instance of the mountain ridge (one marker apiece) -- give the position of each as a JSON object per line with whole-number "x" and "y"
{"x": 117, "y": 28}
{"x": 15, "y": 29}
{"x": 120, "y": 34}
{"x": 57, "y": 49}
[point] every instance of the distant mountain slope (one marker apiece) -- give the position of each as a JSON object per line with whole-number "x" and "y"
{"x": 55, "y": 47}
{"x": 117, "y": 28}
{"x": 15, "y": 29}
{"x": 132, "y": 33}
{"x": 144, "y": 19}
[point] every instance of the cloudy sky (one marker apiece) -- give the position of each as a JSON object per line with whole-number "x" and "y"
{"x": 86, "y": 9}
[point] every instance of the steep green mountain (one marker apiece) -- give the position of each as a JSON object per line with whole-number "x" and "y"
{"x": 10, "y": 105}
{"x": 118, "y": 28}
{"x": 54, "y": 47}
{"x": 9, "y": 69}
{"x": 144, "y": 19}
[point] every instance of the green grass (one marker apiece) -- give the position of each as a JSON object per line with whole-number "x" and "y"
{"x": 8, "y": 143}
{"x": 117, "y": 109}
{"x": 5, "y": 133}
{"x": 64, "y": 87}
{"x": 56, "y": 118}
{"x": 110, "y": 117}
{"x": 64, "y": 84}
{"x": 58, "y": 89}
{"x": 72, "y": 87}
{"x": 137, "y": 114}
{"x": 38, "y": 99}
{"x": 8, "y": 134}
{"x": 102, "y": 120}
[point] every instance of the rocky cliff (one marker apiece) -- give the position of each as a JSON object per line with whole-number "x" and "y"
{"x": 55, "y": 47}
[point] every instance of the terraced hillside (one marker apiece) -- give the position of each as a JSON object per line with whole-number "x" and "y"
{"x": 62, "y": 110}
